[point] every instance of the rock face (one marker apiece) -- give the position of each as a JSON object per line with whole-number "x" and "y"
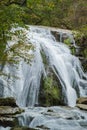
{"x": 56, "y": 35}
{"x": 8, "y": 111}
{"x": 81, "y": 41}
{"x": 50, "y": 91}
{"x": 8, "y": 102}
{"x": 82, "y": 103}
{"x": 60, "y": 36}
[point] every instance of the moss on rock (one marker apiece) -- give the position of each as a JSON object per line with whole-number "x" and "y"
{"x": 44, "y": 58}
{"x": 8, "y": 112}
{"x": 50, "y": 91}
{"x": 9, "y": 101}
{"x": 8, "y": 121}
{"x": 81, "y": 41}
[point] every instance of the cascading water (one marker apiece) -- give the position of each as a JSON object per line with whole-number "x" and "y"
{"x": 65, "y": 66}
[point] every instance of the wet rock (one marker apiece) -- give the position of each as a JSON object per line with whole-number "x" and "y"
{"x": 23, "y": 128}
{"x": 82, "y": 100}
{"x": 49, "y": 110}
{"x": 43, "y": 127}
{"x": 9, "y": 101}
{"x": 8, "y": 121}
{"x": 51, "y": 93}
{"x": 82, "y": 103}
{"x": 1, "y": 88}
{"x": 50, "y": 96}
{"x": 7, "y": 110}
{"x": 56, "y": 35}
{"x": 83, "y": 123}
{"x": 8, "y": 115}
{"x": 61, "y": 37}
{"x": 64, "y": 37}
{"x": 82, "y": 106}
{"x": 84, "y": 63}
{"x": 81, "y": 41}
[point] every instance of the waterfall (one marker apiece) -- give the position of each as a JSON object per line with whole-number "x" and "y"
{"x": 66, "y": 67}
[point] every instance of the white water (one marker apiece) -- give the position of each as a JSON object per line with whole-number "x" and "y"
{"x": 66, "y": 66}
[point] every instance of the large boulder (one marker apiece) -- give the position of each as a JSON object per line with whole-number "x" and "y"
{"x": 82, "y": 106}
{"x": 9, "y": 101}
{"x": 8, "y": 115}
{"x": 82, "y": 100}
{"x": 8, "y": 112}
{"x": 51, "y": 93}
{"x": 8, "y": 121}
{"x": 82, "y": 103}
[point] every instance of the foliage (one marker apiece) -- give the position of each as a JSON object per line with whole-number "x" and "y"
{"x": 9, "y": 15}
{"x": 67, "y": 41}
{"x": 45, "y": 61}
{"x": 52, "y": 91}
{"x": 59, "y": 13}
{"x": 18, "y": 50}
{"x": 81, "y": 41}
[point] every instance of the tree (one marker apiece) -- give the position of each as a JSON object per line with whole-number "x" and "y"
{"x": 11, "y": 15}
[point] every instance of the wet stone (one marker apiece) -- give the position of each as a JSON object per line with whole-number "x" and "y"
{"x": 9, "y": 101}
{"x": 82, "y": 100}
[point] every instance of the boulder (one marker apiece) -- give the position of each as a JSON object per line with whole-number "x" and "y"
{"x": 82, "y": 100}
{"x": 8, "y": 121}
{"x": 8, "y": 110}
{"x": 50, "y": 90}
{"x": 56, "y": 35}
{"x": 82, "y": 106}
{"x": 65, "y": 37}
{"x": 9, "y": 101}
{"x": 8, "y": 115}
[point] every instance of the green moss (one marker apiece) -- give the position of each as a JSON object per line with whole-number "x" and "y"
{"x": 81, "y": 41}
{"x": 67, "y": 41}
{"x": 51, "y": 91}
{"x": 9, "y": 101}
{"x": 44, "y": 58}
{"x": 73, "y": 50}
{"x": 85, "y": 53}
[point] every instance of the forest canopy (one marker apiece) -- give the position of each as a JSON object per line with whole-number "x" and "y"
{"x": 67, "y": 14}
